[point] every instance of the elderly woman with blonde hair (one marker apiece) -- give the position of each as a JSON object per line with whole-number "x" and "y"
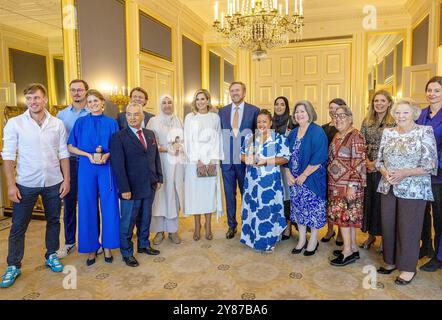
{"x": 169, "y": 133}
{"x": 407, "y": 158}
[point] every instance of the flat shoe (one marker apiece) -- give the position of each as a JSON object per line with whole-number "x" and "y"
{"x": 403, "y": 282}
{"x": 336, "y": 253}
{"x": 383, "y": 270}
{"x": 174, "y": 238}
{"x": 341, "y": 261}
{"x": 159, "y": 237}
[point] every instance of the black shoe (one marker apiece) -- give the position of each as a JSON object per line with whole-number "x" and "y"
{"x": 131, "y": 261}
{"x": 310, "y": 253}
{"x": 298, "y": 251}
{"x": 339, "y": 243}
{"x": 150, "y": 251}
{"x": 285, "y": 237}
{"x": 431, "y": 266}
{"x": 426, "y": 252}
{"x": 230, "y": 233}
{"x": 340, "y": 261}
{"x": 325, "y": 239}
{"x": 382, "y": 270}
{"x": 108, "y": 259}
{"x": 403, "y": 282}
{"x": 90, "y": 262}
{"x": 336, "y": 253}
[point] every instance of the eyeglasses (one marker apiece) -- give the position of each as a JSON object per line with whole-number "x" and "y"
{"x": 77, "y": 90}
{"x": 340, "y": 116}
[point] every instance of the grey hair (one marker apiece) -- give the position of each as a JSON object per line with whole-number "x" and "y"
{"x": 133, "y": 104}
{"x": 409, "y": 102}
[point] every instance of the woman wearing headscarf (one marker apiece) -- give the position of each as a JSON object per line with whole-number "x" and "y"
{"x": 169, "y": 199}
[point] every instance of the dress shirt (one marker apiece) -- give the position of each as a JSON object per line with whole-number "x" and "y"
{"x": 135, "y": 131}
{"x": 240, "y": 111}
{"x": 69, "y": 115}
{"x": 39, "y": 149}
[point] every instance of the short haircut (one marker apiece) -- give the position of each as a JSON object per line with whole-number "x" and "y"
{"x": 134, "y": 104}
{"x": 95, "y": 93}
{"x": 312, "y": 116}
{"x": 409, "y": 102}
{"x": 338, "y": 101}
{"x": 265, "y": 112}
{"x": 34, "y": 87}
{"x": 436, "y": 79}
{"x": 85, "y": 84}
{"x": 207, "y": 94}
{"x": 141, "y": 90}
{"x": 242, "y": 84}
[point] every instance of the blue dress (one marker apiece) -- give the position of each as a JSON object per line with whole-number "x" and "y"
{"x": 95, "y": 181}
{"x": 263, "y": 218}
{"x": 306, "y": 208}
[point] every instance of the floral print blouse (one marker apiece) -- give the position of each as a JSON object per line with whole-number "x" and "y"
{"x": 372, "y": 134}
{"x": 414, "y": 149}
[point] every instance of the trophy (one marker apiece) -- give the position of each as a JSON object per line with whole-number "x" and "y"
{"x": 98, "y": 153}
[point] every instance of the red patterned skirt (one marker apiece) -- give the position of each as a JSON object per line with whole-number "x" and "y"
{"x": 346, "y": 213}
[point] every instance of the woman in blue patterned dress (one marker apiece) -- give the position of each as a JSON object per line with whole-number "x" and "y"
{"x": 263, "y": 219}
{"x": 306, "y": 176}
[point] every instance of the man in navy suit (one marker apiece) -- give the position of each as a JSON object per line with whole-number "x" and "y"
{"x": 137, "y": 95}
{"x": 136, "y": 162}
{"x": 238, "y": 119}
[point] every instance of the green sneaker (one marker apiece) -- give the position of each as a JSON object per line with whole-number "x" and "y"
{"x": 54, "y": 263}
{"x": 12, "y": 273}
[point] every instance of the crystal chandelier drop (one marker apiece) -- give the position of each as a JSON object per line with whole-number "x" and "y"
{"x": 258, "y": 25}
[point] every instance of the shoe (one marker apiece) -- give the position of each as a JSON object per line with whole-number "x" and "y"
{"x": 67, "y": 249}
{"x": 90, "y": 262}
{"x": 109, "y": 259}
{"x": 383, "y": 270}
{"x": 131, "y": 261}
{"x": 54, "y": 263}
{"x": 285, "y": 237}
{"x": 209, "y": 236}
{"x": 367, "y": 245}
{"x": 298, "y": 251}
{"x": 403, "y": 282}
{"x": 431, "y": 266}
{"x": 231, "y": 233}
{"x": 174, "y": 237}
{"x": 159, "y": 237}
{"x": 310, "y": 253}
{"x": 196, "y": 236}
{"x": 324, "y": 239}
{"x": 339, "y": 243}
{"x": 340, "y": 261}
{"x": 12, "y": 273}
{"x": 150, "y": 251}
{"x": 336, "y": 253}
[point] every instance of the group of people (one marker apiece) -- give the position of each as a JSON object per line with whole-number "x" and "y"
{"x": 142, "y": 170}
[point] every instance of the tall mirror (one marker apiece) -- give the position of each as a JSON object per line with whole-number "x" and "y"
{"x": 385, "y": 63}
{"x": 31, "y": 50}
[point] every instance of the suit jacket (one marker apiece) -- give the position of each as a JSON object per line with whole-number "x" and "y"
{"x": 232, "y": 145}
{"x": 122, "y": 121}
{"x": 137, "y": 169}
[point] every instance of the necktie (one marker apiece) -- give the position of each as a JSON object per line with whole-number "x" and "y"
{"x": 235, "y": 121}
{"x": 141, "y": 139}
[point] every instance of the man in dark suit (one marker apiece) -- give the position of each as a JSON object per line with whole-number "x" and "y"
{"x": 136, "y": 162}
{"x": 238, "y": 119}
{"x": 137, "y": 95}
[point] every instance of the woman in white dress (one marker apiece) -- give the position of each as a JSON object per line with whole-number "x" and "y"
{"x": 203, "y": 146}
{"x": 169, "y": 199}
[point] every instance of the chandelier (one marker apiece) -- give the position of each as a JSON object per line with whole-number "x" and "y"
{"x": 258, "y": 25}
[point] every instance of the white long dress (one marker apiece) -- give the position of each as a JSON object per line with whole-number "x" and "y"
{"x": 170, "y": 198}
{"x": 202, "y": 141}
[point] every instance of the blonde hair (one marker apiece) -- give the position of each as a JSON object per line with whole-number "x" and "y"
{"x": 206, "y": 94}
{"x": 371, "y": 117}
{"x": 409, "y": 102}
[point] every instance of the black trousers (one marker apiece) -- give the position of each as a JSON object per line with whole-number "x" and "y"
{"x": 436, "y": 206}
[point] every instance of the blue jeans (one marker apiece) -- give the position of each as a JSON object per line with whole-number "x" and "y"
{"x": 133, "y": 212}
{"x": 22, "y": 214}
{"x": 70, "y": 204}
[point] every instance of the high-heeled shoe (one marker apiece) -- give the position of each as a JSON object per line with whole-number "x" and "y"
{"x": 109, "y": 259}
{"x": 403, "y": 282}
{"x": 196, "y": 236}
{"x": 90, "y": 262}
{"x": 367, "y": 244}
{"x": 310, "y": 253}
{"x": 298, "y": 251}
{"x": 339, "y": 243}
{"x": 325, "y": 239}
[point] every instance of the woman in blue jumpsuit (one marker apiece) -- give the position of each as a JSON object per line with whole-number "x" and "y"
{"x": 90, "y": 139}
